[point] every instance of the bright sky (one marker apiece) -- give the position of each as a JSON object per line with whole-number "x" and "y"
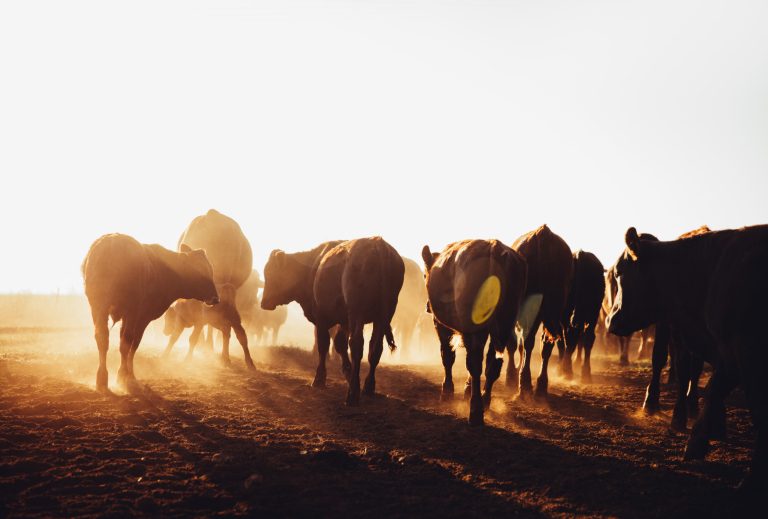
{"x": 421, "y": 121}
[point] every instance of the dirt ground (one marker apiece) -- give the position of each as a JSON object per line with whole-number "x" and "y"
{"x": 202, "y": 439}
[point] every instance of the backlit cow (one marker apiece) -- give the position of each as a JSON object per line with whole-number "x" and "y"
{"x": 582, "y": 312}
{"x": 410, "y": 306}
{"x": 710, "y": 289}
{"x": 232, "y": 260}
{"x": 474, "y": 289}
{"x": 550, "y": 271}
{"x": 135, "y": 283}
{"x": 347, "y": 283}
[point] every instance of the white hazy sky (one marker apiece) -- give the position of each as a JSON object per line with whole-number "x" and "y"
{"x": 422, "y": 121}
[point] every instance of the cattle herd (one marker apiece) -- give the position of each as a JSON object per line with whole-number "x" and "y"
{"x": 702, "y": 296}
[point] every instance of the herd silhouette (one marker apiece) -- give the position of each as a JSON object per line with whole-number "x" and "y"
{"x": 703, "y": 296}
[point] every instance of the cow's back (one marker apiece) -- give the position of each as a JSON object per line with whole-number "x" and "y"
{"x": 456, "y": 279}
{"x": 225, "y": 244}
{"x": 116, "y": 272}
{"x": 587, "y": 289}
{"x": 550, "y": 271}
{"x": 738, "y": 298}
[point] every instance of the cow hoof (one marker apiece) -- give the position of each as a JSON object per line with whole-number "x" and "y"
{"x": 369, "y": 388}
{"x": 467, "y": 392}
{"x": 347, "y": 371}
{"x": 225, "y": 360}
{"x": 476, "y": 417}
{"x": 486, "y": 401}
{"x": 446, "y": 395}
{"x": 651, "y": 407}
{"x": 586, "y": 378}
{"x": 101, "y": 381}
{"x": 696, "y": 449}
{"x": 623, "y": 362}
{"x": 541, "y": 391}
{"x": 678, "y": 424}
{"x": 512, "y": 379}
{"x": 353, "y": 399}
{"x": 525, "y": 392}
{"x": 249, "y": 365}
{"x": 318, "y": 383}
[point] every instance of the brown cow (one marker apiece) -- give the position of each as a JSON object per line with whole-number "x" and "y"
{"x": 710, "y": 289}
{"x": 410, "y": 305}
{"x": 232, "y": 260}
{"x": 550, "y": 270}
{"x": 474, "y": 289}
{"x": 264, "y": 325}
{"x": 350, "y": 284}
{"x": 135, "y": 283}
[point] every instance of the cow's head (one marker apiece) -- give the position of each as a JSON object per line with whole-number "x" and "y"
{"x": 634, "y": 300}
{"x": 279, "y": 281}
{"x": 200, "y": 275}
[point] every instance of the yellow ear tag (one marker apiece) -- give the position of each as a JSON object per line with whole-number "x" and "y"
{"x": 486, "y": 300}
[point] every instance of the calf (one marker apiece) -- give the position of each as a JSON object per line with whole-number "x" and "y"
{"x": 349, "y": 284}
{"x": 474, "y": 289}
{"x": 135, "y": 283}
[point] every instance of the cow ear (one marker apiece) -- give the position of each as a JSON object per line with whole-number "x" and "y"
{"x": 185, "y": 248}
{"x": 276, "y": 255}
{"x": 428, "y": 258}
{"x": 633, "y": 242}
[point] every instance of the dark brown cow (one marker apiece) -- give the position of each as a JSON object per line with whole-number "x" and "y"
{"x": 550, "y": 270}
{"x": 410, "y": 305}
{"x": 232, "y": 260}
{"x": 685, "y": 366}
{"x": 710, "y": 289}
{"x": 350, "y": 284}
{"x": 582, "y": 312}
{"x": 474, "y": 289}
{"x": 135, "y": 283}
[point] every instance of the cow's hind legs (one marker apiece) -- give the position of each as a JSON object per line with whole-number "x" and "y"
{"x": 526, "y": 386}
{"x": 130, "y": 337}
{"x": 542, "y": 383}
{"x": 242, "y": 338}
{"x": 474, "y": 344}
{"x": 448, "y": 356}
{"x": 323, "y": 342}
{"x": 341, "y": 346}
{"x": 375, "y": 348}
{"x": 493, "y": 366}
{"x": 356, "y": 346}
{"x": 586, "y": 342}
{"x": 680, "y": 412}
{"x": 101, "y": 334}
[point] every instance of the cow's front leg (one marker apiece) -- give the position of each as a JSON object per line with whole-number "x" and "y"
{"x": 658, "y": 360}
{"x": 101, "y": 334}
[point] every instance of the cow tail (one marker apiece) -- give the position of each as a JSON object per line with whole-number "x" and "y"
{"x": 390, "y": 338}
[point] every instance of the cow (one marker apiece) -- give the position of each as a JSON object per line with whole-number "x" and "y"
{"x": 184, "y": 313}
{"x": 348, "y": 283}
{"x": 585, "y": 300}
{"x": 410, "y": 305}
{"x": 685, "y": 366}
{"x": 550, "y": 270}
{"x": 232, "y": 260}
{"x": 710, "y": 290}
{"x": 260, "y": 322}
{"x": 135, "y": 283}
{"x": 474, "y": 289}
